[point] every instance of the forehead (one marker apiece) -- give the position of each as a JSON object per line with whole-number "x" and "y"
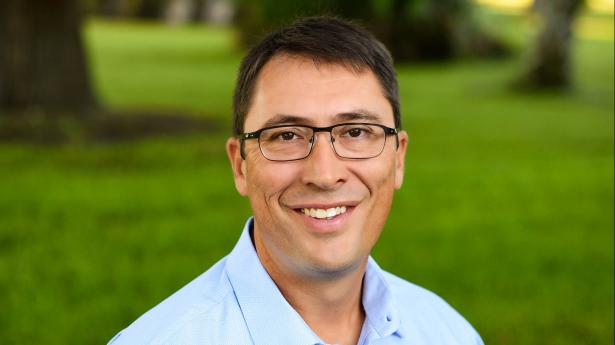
{"x": 315, "y": 93}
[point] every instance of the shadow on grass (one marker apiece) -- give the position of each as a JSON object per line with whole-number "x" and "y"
{"x": 56, "y": 128}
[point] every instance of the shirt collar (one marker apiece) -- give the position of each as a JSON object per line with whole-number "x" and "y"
{"x": 269, "y": 317}
{"x": 272, "y": 320}
{"x": 379, "y": 303}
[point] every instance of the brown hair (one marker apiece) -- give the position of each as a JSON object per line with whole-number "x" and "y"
{"x": 324, "y": 40}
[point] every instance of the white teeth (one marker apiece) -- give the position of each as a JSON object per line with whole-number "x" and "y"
{"x": 322, "y": 213}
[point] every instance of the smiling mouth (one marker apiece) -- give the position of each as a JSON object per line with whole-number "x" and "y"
{"x": 320, "y": 213}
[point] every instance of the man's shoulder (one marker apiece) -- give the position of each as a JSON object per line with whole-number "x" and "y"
{"x": 187, "y": 312}
{"x": 426, "y": 310}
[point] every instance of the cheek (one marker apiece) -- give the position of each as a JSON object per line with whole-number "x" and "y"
{"x": 267, "y": 180}
{"x": 378, "y": 176}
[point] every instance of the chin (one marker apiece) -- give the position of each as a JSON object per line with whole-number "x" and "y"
{"x": 330, "y": 269}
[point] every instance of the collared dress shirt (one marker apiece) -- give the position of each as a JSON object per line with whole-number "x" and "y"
{"x": 237, "y": 303}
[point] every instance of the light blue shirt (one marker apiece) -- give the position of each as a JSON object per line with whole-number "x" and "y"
{"x": 236, "y": 302}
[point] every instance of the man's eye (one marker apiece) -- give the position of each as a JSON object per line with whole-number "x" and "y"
{"x": 284, "y": 135}
{"x": 355, "y": 132}
{"x": 287, "y": 135}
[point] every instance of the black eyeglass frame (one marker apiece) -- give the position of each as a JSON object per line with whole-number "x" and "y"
{"x": 256, "y": 135}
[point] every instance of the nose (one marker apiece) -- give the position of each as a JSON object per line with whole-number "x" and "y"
{"x": 323, "y": 168}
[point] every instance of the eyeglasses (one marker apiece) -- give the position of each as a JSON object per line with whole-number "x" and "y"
{"x": 349, "y": 140}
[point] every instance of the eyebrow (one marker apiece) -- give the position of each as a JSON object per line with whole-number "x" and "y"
{"x": 358, "y": 114}
{"x": 281, "y": 119}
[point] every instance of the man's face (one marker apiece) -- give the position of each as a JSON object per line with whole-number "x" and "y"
{"x": 292, "y": 90}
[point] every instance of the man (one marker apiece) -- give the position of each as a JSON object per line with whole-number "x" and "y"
{"x": 318, "y": 151}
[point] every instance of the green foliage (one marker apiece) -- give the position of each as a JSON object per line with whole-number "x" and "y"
{"x": 255, "y": 18}
{"x": 413, "y": 30}
{"x": 506, "y": 211}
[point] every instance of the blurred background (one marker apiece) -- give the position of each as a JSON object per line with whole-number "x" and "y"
{"x": 115, "y": 189}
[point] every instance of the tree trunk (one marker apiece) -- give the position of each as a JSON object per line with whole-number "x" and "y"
{"x": 179, "y": 12}
{"x": 218, "y": 11}
{"x": 42, "y": 60}
{"x": 549, "y": 65}
{"x": 198, "y": 11}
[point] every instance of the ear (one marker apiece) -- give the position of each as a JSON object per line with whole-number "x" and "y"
{"x": 238, "y": 164}
{"x": 400, "y": 158}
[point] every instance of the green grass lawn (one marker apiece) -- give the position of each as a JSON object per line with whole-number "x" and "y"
{"x": 506, "y": 211}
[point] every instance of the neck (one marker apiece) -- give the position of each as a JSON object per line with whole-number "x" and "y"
{"x": 331, "y": 306}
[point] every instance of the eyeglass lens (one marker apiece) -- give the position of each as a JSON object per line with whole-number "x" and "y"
{"x": 355, "y": 141}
